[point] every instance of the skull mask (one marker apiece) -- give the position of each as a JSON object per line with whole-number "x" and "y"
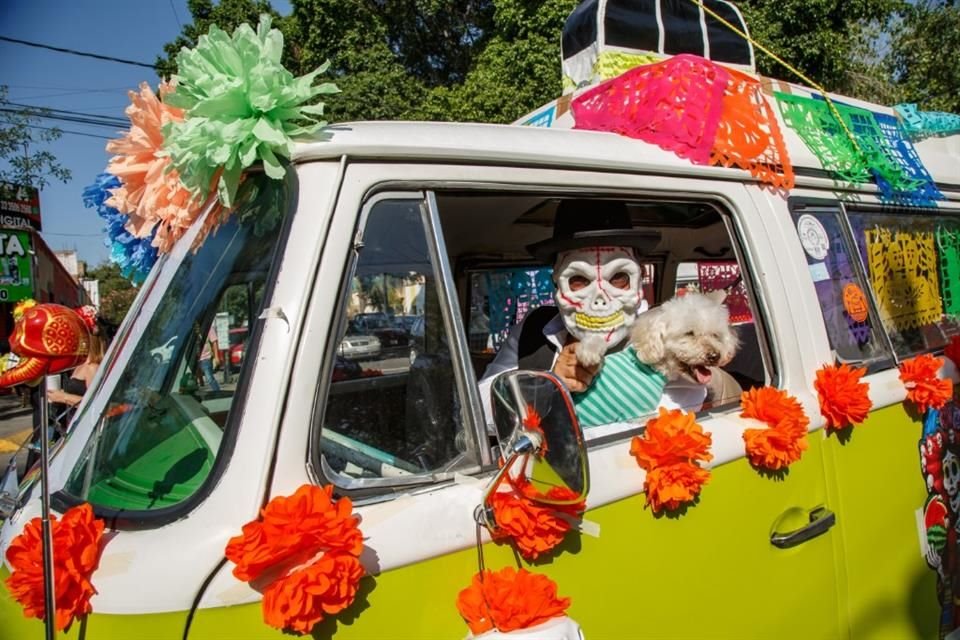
{"x": 598, "y": 291}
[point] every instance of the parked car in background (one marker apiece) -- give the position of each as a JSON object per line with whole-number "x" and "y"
{"x": 238, "y": 345}
{"x": 357, "y": 344}
{"x": 380, "y": 325}
{"x": 163, "y": 353}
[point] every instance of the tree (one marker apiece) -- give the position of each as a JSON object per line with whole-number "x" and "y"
{"x": 116, "y": 292}
{"x": 824, "y": 39}
{"x": 922, "y": 56}
{"x": 21, "y": 139}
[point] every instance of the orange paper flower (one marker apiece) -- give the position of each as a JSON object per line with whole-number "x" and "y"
{"x": 843, "y": 398}
{"x": 304, "y": 548}
{"x": 924, "y": 388}
{"x": 303, "y": 598}
{"x": 785, "y": 440}
{"x": 509, "y": 599}
{"x": 151, "y": 193}
{"x": 669, "y": 451}
{"x": 76, "y": 554}
{"x": 532, "y": 423}
{"x": 293, "y": 529}
{"x": 535, "y": 528}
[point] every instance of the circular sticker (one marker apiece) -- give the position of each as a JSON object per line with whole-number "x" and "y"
{"x": 855, "y": 302}
{"x": 813, "y": 237}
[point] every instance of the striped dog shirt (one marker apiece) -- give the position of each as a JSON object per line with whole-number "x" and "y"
{"x": 624, "y": 389}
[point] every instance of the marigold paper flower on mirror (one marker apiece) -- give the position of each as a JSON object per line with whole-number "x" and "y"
{"x": 844, "y": 399}
{"x": 924, "y": 388}
{"x": 670, "y": 450}
{"x": 785, "y": 440}
{"x": 305, "y": 548}
{"x": 535, "y": 528}
{"x": 76, "y": 554}
{"x": 508, "y": 600}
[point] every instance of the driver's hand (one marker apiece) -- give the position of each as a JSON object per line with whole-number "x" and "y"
{"x": 573, "y": 374}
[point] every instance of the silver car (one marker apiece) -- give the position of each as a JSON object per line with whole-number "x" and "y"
{"x": 357, "y": 346}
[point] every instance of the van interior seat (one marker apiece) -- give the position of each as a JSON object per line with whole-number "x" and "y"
{"x": 747, "y": 365}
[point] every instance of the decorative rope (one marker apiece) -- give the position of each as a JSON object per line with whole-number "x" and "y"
{"x": 789, "y": 67}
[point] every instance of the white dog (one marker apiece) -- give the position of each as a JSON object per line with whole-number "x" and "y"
{"x": 686, "y": 337}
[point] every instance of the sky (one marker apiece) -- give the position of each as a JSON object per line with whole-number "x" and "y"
{"x": 131, "y": 30}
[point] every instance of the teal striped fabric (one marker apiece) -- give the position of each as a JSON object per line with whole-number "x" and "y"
{"x": 624, "y": 389}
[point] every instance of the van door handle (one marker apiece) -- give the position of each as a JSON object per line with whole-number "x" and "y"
{"x": 821, "y": 519}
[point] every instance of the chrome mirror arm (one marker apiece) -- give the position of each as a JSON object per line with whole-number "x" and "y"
{"x": 525, "y": 443}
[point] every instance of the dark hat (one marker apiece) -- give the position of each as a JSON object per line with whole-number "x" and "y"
{"x": 591, "y": 223}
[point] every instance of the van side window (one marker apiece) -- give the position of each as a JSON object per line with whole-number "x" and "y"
{"x": 392, "y": 407}
{"x": 911, "y": 258}
{"x": 841, "y": 287}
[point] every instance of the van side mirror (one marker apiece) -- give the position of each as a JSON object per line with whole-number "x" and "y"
{"x": 540, "y": 439}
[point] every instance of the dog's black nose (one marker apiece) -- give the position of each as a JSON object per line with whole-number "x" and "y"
{"x": 713, "y": 357}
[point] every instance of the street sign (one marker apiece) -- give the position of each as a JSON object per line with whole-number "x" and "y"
{"x": 19, "y": 206}
{"x": 16, "y": 282}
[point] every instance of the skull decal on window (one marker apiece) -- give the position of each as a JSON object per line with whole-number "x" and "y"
{"x": 598, "y": 292}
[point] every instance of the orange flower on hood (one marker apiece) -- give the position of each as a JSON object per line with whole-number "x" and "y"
{"x": 76, "y": 554}
{"x": 924, "y": 388}
{"x": 844, "y": 400}
{"x": 786, "y": 438}
{"x": 293, "y": 529}
{"x": 301, "y": 599}
{"x": 669, "y": 451}
{"x": 535, "y": 528}
{"x": 509, "y": 599}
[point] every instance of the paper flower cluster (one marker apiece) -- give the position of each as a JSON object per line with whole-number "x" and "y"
{"x": 135, "y": 256}
{"x": 670, "y": 450}
{"x": 535, "y": 528}
{"x": 76, "y": 554}
{"x": 844, "y": 399}
{"x": 925, "y": 389}
{"x": 231, "y": 105}
{"x": 508, "y": 600}
{"x": 695, "y": 108}
{"x": 785, "y": 439}
{"x": 303, "y": 553}
{"x": 241, "y": 106}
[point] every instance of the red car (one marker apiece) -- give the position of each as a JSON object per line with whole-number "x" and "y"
{"x": 238, "y": 345}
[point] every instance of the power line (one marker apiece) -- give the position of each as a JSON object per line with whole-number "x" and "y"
{"x": 76, "y": 133}
{"x": 74, "y": 52}
{"x": 176, "y": 16}
{"x": 70, "y": 116}
{"x": 38, "y": 110}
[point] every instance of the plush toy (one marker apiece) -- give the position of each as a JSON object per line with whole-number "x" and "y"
{"x": 48, "y": 338}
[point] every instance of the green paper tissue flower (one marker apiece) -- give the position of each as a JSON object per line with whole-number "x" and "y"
{"x": 241, "y": 107}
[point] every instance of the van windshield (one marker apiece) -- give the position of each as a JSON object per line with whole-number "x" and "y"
{"x": 171, "y": 405}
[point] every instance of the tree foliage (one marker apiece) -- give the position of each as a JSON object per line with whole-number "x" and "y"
{"x": 116, "y": 292}
{"x": 922, "y": 59}
{"x": 495, "y": 60}
{"x": 22, "y": 138}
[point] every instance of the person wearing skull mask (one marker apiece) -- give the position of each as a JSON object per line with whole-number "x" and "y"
{"x": 595, "y": 252}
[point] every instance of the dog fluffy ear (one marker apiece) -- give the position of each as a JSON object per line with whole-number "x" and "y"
{"x": 646, "y": 336}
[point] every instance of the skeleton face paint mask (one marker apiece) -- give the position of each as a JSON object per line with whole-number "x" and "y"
{"x": 598, "y": 291}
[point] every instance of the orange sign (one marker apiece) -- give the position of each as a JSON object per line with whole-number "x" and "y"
{"x": 855, "y": 302}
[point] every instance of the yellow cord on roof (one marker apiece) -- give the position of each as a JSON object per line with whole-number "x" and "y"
{"x": 789, "y": 67}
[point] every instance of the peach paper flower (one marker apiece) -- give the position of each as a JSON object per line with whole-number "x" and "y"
{"x": 76, "y": 554}
{"x": 844, "y": 399}
{"x": 508, "y": 600}
{"x": 151, "y": 193}
{"x": 924, "y": 388}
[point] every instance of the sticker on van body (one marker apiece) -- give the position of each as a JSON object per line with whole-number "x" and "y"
{"x": 813, "y": 237}
{"x": 818, "y": 271}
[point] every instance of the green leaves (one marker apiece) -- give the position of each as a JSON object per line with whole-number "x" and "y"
{"x": 241, "y": 107}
